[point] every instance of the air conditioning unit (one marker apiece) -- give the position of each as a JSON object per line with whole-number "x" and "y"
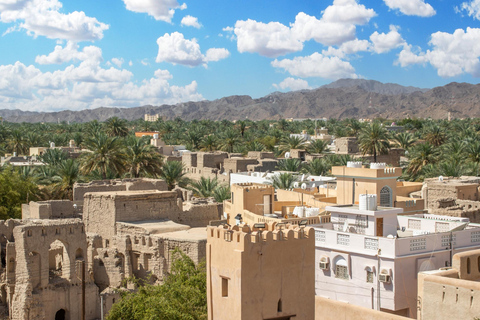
{"x": 384, "y": 278}
{"x": 323, "y": 265}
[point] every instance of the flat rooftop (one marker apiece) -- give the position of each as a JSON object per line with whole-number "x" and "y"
{"x": 355, "y": 209}
{"x": 156, "y": 226}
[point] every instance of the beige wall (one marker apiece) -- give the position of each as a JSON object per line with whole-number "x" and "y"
{"x": 326, "y": 309}
{"x": 262, "y": 271}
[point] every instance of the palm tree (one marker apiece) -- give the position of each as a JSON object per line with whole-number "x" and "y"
{"x": 435, "y": 135}
{"x": 204, "y": 188}
{"x": 404, "y": 140}
{"x": 141, "y": 158}
{"x": 172, "y": 173}
{"x": 293, "y": 142}
{"x": 283, "y": 180}
{"x": 68, "y": 172}
{"x": 228, "y": 140}
{"x": 421, "y": 155}
{"x": 373, "y": 139}
{"x": 318, "y": 146}
{"x": 292, "y": 165}
{"x": 53, "y": 157}
{"x": 255, "y": 146}
{"x": 317, "y": 167}
{"x": 208, "y": 143}
{"x": 116, "y": 127}
{"x": 104, "y": 153}
{"x": 17, "y": 142}
{"x": 242, "y": 126}
{"x": 222, "y": 193}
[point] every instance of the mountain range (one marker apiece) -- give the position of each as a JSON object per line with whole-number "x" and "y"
{"x": 344, "y": 98}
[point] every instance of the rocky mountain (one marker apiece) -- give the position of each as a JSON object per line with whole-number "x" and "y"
{"x": 346, "y": 98}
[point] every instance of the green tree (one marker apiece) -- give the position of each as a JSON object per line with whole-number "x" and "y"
{"x": 404, "y": 140}
{"x": 228, "y": 140}
{"x": 141, "y": 158}
{"x": 67, "y": 173}
{"x": 421, "y": 155}
{"x": 172, "y": 173}
{"x": 116, "y": 127}
{"x": 53, "y": 157}
{"x": 208, "y": 143}
{"x": 183, "y": 296}
{"x": 105, "y": 153}
{"x": 293, "y": 165}
{"x": 318, "y": 146}
{"x": 204, "y": 188}
{"x": 222, "y": 193}
{"x": 283, "y": 180}
{"x": 294, "y": 142}
{"x": 373, "y": 139}
{"x": 317, "y": 167}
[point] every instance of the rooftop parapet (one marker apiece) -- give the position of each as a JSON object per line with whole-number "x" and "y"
{"x": 353, "y": 172}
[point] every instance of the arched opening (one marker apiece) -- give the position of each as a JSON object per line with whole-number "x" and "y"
{"x": 386, "y": 197}
{"x": 79, "y": 254}
{"x": 279, "y": 305}
{"x": 60, "y": 315}
{"x": 58, "y": 261}
{"x": 341, "y": 268}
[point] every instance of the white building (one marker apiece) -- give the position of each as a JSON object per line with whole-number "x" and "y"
{"x": 266, "y": 178}
{"x": 370, "y": 256}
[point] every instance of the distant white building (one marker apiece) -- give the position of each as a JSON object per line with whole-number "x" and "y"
{"x": 266, "y": 178}
{"x": 370, "y": 256}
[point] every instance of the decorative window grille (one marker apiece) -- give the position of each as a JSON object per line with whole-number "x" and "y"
{"x": 341, "y": 272}
{"x": 414, "y": 224}
{"x": 370, "y": 276}
{"x": 343, "y": 239}
{"x": 418, "y": 244}
{"x": 386, "y": 197}
{"x": 320, "y": 236}
{"x": 475, "y": 236}
{"x": 371, "y": 243}
{"x": 442, "y": 226}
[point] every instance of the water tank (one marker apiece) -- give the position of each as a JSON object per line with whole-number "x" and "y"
{"x": 378, "y": 165}
{"x": 354, "y": 164}
{"x": 368, "y": 202}
{"x": 52, "y": 144}
{"x": 155, "y": 136}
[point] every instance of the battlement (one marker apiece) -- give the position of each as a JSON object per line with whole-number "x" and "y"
{"x": 243, "y": 235}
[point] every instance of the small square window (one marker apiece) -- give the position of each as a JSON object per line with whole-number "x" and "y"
{"x": 370, "y": 276}
{"x": 341, "y": 272}
{"x": 224, "y": 287}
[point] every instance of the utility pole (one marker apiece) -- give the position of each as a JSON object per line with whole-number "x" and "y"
{"x": 83, "y": 290}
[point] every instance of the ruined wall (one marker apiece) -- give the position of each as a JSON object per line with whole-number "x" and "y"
{"x": 346, "y": 145}
{"x": 79, "y": 189}
{"x": 238, "y": 164}
{"x": 260, "y": 155}
{"x": 51, "y": 209}
{"x": 263, "y": 166}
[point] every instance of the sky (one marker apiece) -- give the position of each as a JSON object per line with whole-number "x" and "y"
{"x": 74, "y": 55}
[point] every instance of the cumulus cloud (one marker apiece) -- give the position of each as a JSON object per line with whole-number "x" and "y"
{"x": 336, "y": 26}
{"x": 43, "y": 18}
{"x": 70, "y": 53}
{"x": 118, "y": 62}
{"x": 175, "y": 49}
{"x": 86, "y": 86}
{"x": 472, "y": 8}
{"x": 451, "y": 54}
{"x": 292, "y": 84}
{"x": 411, "y": 7}
{"x": 350, "y": 47}
{"x": 317, "y": 65}
{"x": 190, "y": 22}
{"x": 159, "y": 9}
{"x": 384, "y": 42}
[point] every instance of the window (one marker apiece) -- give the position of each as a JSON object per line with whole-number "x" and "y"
{"x": 341, "y": 268}
{"x": 370, "y": 276}
{"x": 224, "y": 287}
{"x": 386, "y": 197}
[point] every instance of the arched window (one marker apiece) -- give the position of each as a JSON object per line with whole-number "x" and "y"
{"x": 341, "y": 268}
{"x": 386, "y": 197}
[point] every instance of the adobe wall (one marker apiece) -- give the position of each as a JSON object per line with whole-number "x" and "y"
{"x": 80, "y": 189}
{"x": 238, "y": 164}
{"x": 51, "y": 209}
{"x": 392, "y": 158}
{"x": 346, "y": 145}
{"x": 260, "y": 155}
{"x": 264, "y": 165}
{"x": 327, "y": 309}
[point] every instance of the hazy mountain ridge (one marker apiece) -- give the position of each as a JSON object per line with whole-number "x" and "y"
{"x": 345, "y": 98}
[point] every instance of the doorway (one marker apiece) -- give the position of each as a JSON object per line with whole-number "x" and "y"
{"x": 60, "y": 315}
{"x": 379, "y": 227}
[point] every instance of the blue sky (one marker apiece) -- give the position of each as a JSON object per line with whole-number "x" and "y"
{"x": 57, "y": 55}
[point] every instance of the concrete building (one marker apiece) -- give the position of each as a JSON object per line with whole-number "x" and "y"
{"x": 370, "y": 256}
{"x": 127, "y": 228}
{"x": 261, "y": 272}
{"x": 451, "y": 293}
{"x": 153, "y": 117}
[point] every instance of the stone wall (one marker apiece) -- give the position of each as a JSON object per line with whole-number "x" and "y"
{"x": 346, "y": 145}
{"x": 51, "y": 209}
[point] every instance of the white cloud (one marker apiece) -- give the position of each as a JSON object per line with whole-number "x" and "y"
{"x": 145, "y": 62}
{"x": 86, "y": 86}
{"x": 216, "y": 54}
{"x": 70, "y": 53}
{"x": 292, "y": 84}
{"x": 175, "y": 49}
{"x": 336, "y": 26}
{"x": 118, "y": 62}
{"x": 271, "y": 39}
{"x": 472, "y": 7}
{"x": 190, "y": 22}
{"x": 452, "y": 54}
{"x": 43, "y": 18}
{"x": 130, "y": 63}
{"x": 384, "y": 42}
{"x": 350, "y": 47}
{"x": 411, "y": 7}
{"x": 317, "y": 65}
{"x": 159, "y": 9}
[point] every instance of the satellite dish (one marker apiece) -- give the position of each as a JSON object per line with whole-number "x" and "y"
{"x": 440, "y": 178}
{"x": 287, "y": 155}
{"x": 295, "y": 184}
{"x": 304, "y": 186}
